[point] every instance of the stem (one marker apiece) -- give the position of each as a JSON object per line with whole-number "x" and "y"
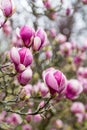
{"x": 3, "y": 23}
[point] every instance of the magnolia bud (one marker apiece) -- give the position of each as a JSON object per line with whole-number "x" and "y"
{"x": 47, "y": 4}
{"x": 73, "y": 89}
{"x": 48, "y": 54}
{"x": 27, "y": 35}
{"x": 21, "y": 58}
{"x": 68, "y": 11}
{"x": 66, "y": 49}
{"x": 15, "y": 56}
{"x": 25, "y": 76}
{"x": 26, "y": 127}
{"x": 7, "y": 7}
{"x": 61, "y": 38}
{"x": 39, "y": 40}
{"x": 55, "y": 80}
{"x": 78, "y": 107}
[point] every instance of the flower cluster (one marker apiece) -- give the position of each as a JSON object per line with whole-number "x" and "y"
{"x": 22, "y": 57}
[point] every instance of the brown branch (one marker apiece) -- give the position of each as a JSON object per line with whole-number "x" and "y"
{"x": 39, "y": 110}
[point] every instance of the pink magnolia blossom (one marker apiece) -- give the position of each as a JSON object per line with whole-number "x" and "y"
{"x": 26, "y": 127}
{"x": 29, "y": 117}
{"x": 48, "y": 54}
{"x": 61, "y": 38}
{"x": 21, "y": 58}
{"x": 7, "y": 7}
{"x": 41, "y": 104}
{"x": 80, "y": 117}
{"x": 53, "y": 32}
{"x": 25, "y": 76}
{"x": 77, "y": 107}
{"x": 84, "y": 1}
{"x": 55, "y": 80}
{"x": 39, "y": 40}
{"x": 73, "y": 89}
{"x": 47, "y": 4}
{"x": 27, "y": 34}
{"x": 68, "y": 11}
{"x": 59, "y": 123}
{"x": 14, "y": 119}
{"x": 66, "y": 49}
{"x": 77, "y": 59}
{"x": 80, "y": 72}
{"x": 84, "y": 46}
{"x": 42, "y": 89}
{"x": 26, "y": 91}
{"x": 53, "y": 16}
{"x": 37, "y": 118}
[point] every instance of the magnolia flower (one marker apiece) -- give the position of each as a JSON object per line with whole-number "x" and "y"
{"x": 78, "y": 107}
{"x": 55, "y": 80}
{"x": 27, "y": 34}
{"x": 21, "y": 58}
{"x": 39, "y": 40}
{"x": 73, "y": 89}
{"x": 25, "y": 76}
{"x": 7, "y": 7}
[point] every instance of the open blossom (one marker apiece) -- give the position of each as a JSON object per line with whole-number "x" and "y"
{"x": 27, "y": 34}
{"x": 7, "y": 7}
{"x": 21, "y": 58}
{"x": 39, "y": 40}
{"x": 73, "y": 89}
{"x": 25, "y": 76}
{"x": 55, "y": 80}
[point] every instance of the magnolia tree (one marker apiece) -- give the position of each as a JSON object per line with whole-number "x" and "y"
{"x": 43, "y": 65}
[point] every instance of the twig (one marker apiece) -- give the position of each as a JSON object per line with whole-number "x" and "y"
{"x": 3, "y": 23}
